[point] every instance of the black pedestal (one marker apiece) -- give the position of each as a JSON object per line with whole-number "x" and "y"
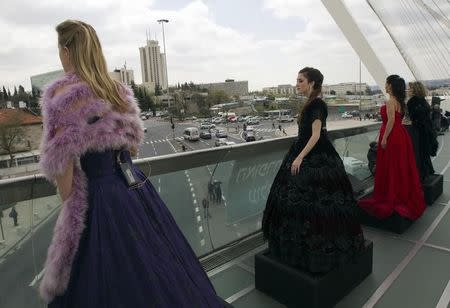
{"x": 433, "y": 187}
{"x": 297, "y": 288}
{"x": 394, "y": 223}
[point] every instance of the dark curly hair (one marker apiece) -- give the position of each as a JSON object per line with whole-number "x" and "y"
{"x": 398, "y": 87}
{"x": 311, "y": 74}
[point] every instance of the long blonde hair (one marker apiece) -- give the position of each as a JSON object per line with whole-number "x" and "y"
{"x": 86, "y": 57}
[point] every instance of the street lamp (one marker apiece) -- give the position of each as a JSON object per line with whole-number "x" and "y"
{"x": 360, "y": 94}
{"x": 162, "y": 22}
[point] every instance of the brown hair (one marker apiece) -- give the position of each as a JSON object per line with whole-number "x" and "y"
{"x": 311, "y": 74}
{"x": 86, "y": 56}
{"x": 418, "y": 89}
{"x": 398, "y": 87}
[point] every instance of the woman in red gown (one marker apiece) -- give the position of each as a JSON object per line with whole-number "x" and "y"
{"x": 397, "y": 184}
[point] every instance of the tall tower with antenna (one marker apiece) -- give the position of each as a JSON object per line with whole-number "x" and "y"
{"x": 153, "y": 67}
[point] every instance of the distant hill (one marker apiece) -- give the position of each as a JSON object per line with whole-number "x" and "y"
{"x": 430, "y": 84}
{"x": 433, "y": 84}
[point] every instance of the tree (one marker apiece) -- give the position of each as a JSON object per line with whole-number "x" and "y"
{"x": 270, "y": 97}
{"x": 15, "y": 91}
{"x": 34, "y": 100}
{"x": 133, "y": 85}
{"x": 158, "y": 90}
{"x": 22, "y": 95}
{"x": 368, "y": 91}
{"x": 5, "y": 94}
{"x": 11, "y": 134}
{"x": 332, "y": 92}
{"x": 349, "y": 93}
{"x": 149, "y": 103}
{"x": 140, "y": 97}
{"x": 202, "y": 104}
{"x": 179, "y": 107}
{"x": 217, "y": 97}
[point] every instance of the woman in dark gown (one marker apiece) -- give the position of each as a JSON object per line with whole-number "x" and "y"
{"x": 310, "y": 219}
{"x": 397, "y": 187}
{"x": 115, "y": 244}
{"x": 420, "y": 128}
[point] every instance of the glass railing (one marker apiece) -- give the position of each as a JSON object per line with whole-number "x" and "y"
{"x": 216, "y": 196}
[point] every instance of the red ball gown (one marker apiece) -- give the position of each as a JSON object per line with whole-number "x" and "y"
{"x": 397, "y": 184}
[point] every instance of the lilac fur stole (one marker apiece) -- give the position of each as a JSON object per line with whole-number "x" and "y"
{"x": 67, "y": 105}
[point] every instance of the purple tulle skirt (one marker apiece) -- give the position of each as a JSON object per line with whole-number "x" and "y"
{"x": 132, "y": 253}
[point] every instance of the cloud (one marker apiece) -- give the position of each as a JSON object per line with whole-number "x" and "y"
{"x": 199, "y": 49}
{"x": 330, "y": 45}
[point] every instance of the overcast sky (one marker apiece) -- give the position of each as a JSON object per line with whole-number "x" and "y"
{"x": 263, "y": 41}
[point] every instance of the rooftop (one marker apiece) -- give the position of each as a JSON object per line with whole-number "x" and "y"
{"x": 20, "y": 116}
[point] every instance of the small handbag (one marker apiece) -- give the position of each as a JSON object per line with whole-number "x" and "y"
{"x": 128, "y": 172}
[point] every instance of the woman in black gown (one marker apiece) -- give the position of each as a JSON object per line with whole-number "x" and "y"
{"x": 420, "y": 128}
{"x": 310, "y": 219}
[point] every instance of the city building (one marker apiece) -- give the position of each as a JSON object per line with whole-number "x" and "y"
{"x": 282, "y": 89}
{"x": 286, "y": 89}
{"x": 345, "y": 88}
{"x": 230, "y": 87}
{"x": 270, "y": 90}
{"x": 153, "y": 66}
{"x": 28, "y": 137}
{"x": 124, "y": 75}
{"x": 38, "y": 82}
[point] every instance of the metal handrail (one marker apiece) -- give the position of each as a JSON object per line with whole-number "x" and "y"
{"x": 18, "y": 189}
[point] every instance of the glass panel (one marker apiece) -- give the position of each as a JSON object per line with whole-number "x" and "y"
{"x": 353, "y": 151}
{"x": 244, "y": 185}
{"x": 25, "y": 232}
{"x": 183, "y": 192}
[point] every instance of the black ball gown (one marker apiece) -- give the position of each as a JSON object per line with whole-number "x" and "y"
{"x": 310, "y": 219}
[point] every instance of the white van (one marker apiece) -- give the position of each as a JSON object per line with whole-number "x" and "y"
{"x": 191, "y": 134}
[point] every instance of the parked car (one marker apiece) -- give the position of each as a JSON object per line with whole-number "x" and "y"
{"x": 205, "y": 135}
{"x": 249, "y": 135}
{"x": 206, "y": 125}
{"x": 221, "y": 133}
{"x": 217, "y": 120}
{"x": 252, "y": 122}
{"x": 286, "y": 119}
{"x": 355, "y": 113}
{"x": 223, "y": 141}
{"x": 346, "y": 115}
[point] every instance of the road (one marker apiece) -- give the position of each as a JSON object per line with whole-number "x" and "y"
{"x": 159, "y": 135}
